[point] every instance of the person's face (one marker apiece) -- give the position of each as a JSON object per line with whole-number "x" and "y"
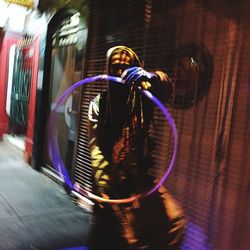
{"x": 118, "y": 69}
{"x": 120, "y": 61}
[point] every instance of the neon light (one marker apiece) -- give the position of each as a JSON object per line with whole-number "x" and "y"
{"x": 54, "y": 151}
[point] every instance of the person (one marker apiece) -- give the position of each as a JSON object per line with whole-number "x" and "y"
{"x": 121, "y": 143}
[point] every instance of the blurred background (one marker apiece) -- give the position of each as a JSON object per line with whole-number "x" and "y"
{"x": 204, "y": 46}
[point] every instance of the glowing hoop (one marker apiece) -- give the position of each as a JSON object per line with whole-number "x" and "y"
{"x": 54, "y": 151}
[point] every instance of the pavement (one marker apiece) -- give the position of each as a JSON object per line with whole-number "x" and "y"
{"x": 36, "y": 212}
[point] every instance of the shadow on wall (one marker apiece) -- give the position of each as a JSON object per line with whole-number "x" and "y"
{"x": 194, "y": 69}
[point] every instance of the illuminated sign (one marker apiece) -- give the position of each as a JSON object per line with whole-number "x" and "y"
{"x": 67, "y": 33}
{"x": 25, "y": 3}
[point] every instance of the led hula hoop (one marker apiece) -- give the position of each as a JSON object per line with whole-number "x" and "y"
{"x": 54, "y": 151}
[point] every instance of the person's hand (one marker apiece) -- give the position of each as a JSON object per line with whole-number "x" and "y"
{"x": 138, "y": 76}
{"x": 105, "y": 196}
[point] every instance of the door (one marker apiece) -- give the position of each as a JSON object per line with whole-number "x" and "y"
{"x": 67, "y": 57}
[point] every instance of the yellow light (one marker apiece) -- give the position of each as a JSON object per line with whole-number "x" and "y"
{"x": 25, "y": 3}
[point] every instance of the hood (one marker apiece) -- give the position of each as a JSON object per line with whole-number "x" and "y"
{"x": 134, "y": 60}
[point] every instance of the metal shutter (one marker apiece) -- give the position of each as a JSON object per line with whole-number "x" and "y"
{"x": 211, "y": 174}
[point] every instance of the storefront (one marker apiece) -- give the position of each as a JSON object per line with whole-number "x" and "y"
{"x": 63, "y": 66}
{"x": 19, "y": 72}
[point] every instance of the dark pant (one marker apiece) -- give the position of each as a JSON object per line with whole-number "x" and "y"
{"x": 107, "y": 230}
{"x": 153, "y": 223}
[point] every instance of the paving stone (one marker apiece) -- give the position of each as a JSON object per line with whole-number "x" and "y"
{"x": 35, "y": 212}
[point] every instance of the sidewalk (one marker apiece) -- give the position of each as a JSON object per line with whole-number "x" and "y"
{"x": 35, "y": 212}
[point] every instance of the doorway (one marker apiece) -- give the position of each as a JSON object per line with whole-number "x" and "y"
{"x": 67, "y": 46}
